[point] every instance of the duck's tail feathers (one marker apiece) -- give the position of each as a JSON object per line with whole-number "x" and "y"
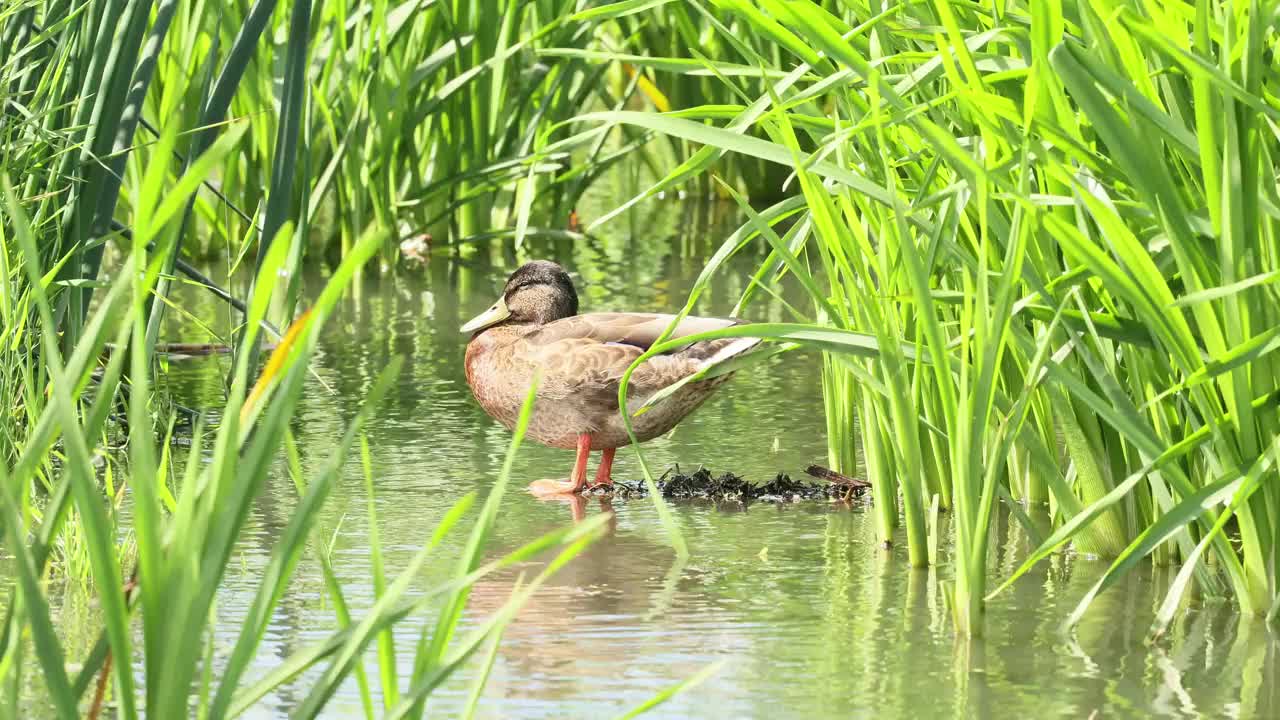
{"x": 738, "y": 347}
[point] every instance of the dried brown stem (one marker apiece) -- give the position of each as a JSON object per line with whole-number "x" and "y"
{"x": 104, "y": 675}
{"x": 836, "y": 478}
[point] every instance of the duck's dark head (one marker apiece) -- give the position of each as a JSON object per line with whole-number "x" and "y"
{"x": 537, "y": 292}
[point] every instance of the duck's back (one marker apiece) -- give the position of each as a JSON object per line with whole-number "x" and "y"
{"x": 581, "y": 361}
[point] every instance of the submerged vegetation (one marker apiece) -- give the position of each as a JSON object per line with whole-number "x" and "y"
{"x": 1040, "y": 243}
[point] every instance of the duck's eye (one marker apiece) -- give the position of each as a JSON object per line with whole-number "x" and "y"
{"x": 519, "y": 286}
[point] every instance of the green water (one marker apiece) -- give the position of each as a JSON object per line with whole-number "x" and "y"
{"x": 808, "y": 614}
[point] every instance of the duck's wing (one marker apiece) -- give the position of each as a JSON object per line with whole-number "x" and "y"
{"x": 591, "y": 370}
{"x": 586, "y": 355}
{"x": 638, "y": 330}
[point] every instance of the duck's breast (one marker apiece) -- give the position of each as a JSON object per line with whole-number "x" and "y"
{"x": 496, "y": 380}
{"x": 500, "y": 376}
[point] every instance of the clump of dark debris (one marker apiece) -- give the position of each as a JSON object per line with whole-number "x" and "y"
{"x": 703, "y": 485}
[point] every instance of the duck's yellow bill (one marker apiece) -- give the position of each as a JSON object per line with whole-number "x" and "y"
{"x": 494, "y": 315}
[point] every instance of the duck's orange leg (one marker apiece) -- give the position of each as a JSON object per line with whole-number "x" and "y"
{"x": 577, "y": 480}
{"x": 604, "y": 473}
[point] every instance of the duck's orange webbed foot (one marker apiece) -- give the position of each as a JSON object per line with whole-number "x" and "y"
{"x": 576, "y": 482}
{"x": 547, "y": 488}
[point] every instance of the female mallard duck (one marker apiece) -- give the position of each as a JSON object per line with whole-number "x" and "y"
{"x": 535, "y": 327}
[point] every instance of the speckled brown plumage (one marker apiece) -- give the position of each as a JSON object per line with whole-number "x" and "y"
{"x": 582, "y": 359}
{"x": 535, "y": 329}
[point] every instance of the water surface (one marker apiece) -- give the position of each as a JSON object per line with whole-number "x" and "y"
{"x": 809, "y": 615}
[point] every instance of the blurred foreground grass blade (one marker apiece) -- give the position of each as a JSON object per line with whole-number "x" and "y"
{"x": 386, "y": 612}
{"x": 687, "y": 684}
{"x": 290, "y": 545}
{"x": 431, "y": 655}
{"x": 425, "y": 683}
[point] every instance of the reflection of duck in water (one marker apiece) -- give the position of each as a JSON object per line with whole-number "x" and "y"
{"x": 535, "y": 328}
{"x": 580, "y": 630}
{"x": 578, "y": 508}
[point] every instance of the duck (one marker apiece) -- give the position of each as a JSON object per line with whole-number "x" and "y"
{"x": 534, "y": 330}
